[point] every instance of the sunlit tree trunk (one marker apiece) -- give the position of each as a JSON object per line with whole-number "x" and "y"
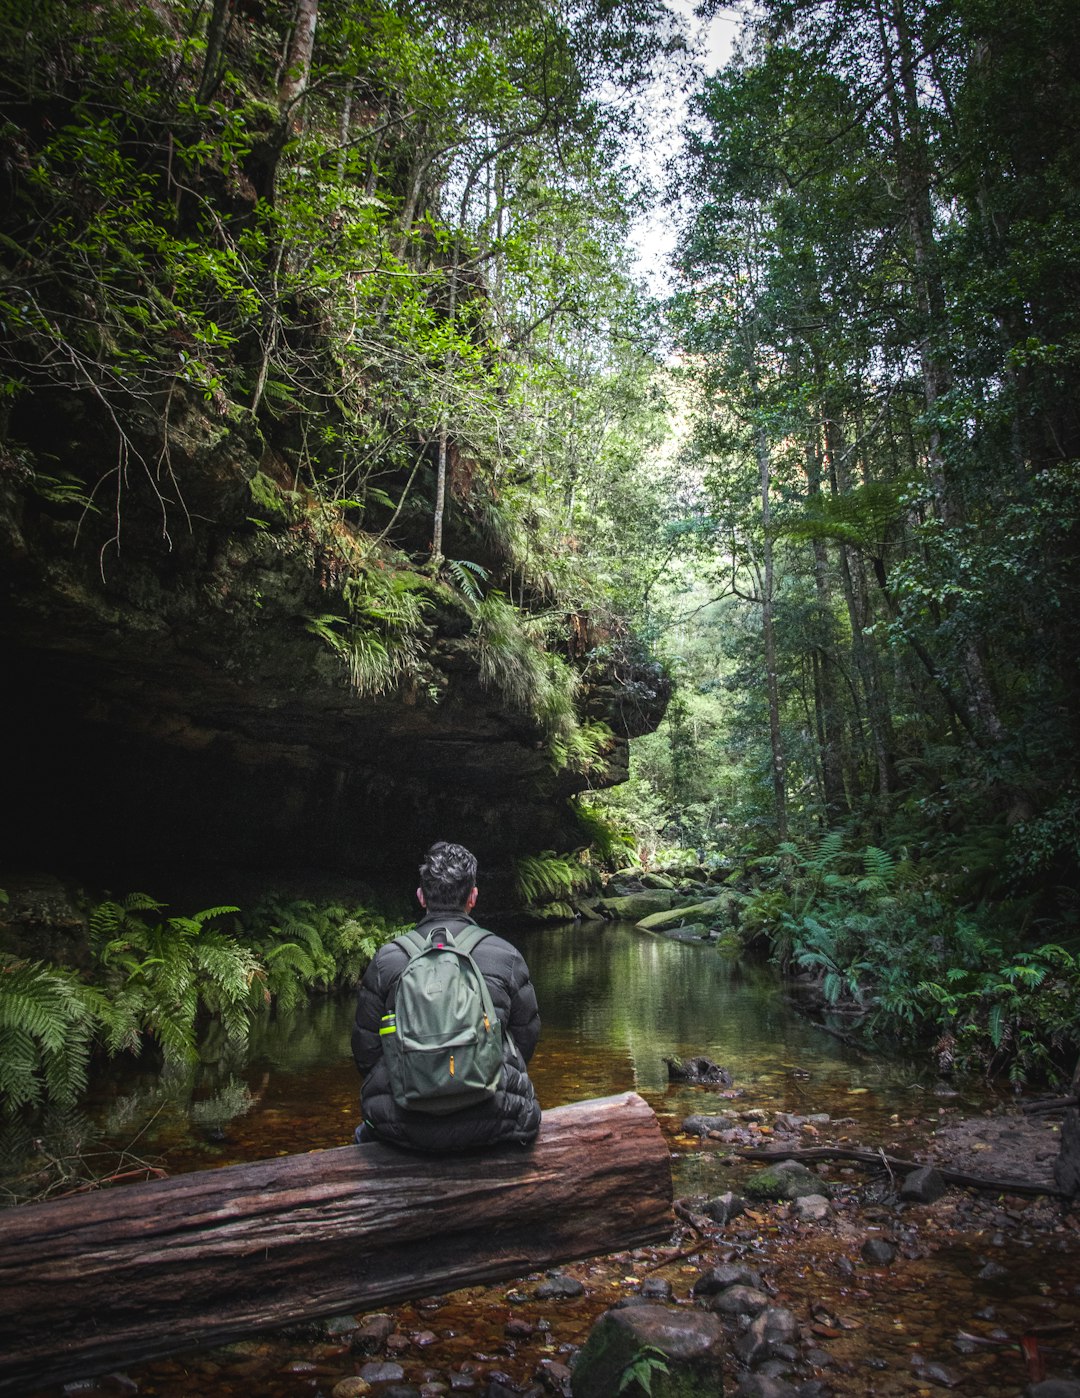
{"x": 298, "y": 57}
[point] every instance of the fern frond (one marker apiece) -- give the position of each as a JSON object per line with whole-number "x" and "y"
{"x": 465, "y": 575}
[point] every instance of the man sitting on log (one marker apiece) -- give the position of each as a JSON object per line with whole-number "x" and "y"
{"x": 439, "y": 1073}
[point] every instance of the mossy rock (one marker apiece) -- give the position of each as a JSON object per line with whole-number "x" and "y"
{"x": 658, "y": 881}
{"x": 632, "y": 907}
{"x": 789, "y": 1179}
{"x": 669, "y": 918}
{"x": 679, "y": 1352}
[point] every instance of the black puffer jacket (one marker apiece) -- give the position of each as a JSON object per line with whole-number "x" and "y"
{"x": 514, "y": 1113}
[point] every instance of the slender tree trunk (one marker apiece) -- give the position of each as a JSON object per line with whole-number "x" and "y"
{"x": 216, "y": 34}
{"x": 866, "y": 662}
{"x": 826, "y": 698}
{"x": 344, "y": 128}
{"x": 913, "y": 164}
{"x": 298, "y": 58}
{"x": 771, "y": 682}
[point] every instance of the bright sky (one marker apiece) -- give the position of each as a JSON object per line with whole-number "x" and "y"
{"x": 653, "y": 237}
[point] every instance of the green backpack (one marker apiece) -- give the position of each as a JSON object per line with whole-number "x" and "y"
{"x": 441, "y": 1037}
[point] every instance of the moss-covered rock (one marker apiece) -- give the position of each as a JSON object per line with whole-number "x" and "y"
{"x": 706, "y": 912}
{"x": 632, "y": 907}
{"x": 678, "y": 1353}
{"x": 788, "y": 1179}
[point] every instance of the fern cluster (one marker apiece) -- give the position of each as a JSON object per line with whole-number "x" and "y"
{"x": 153, "y": 978}
{"x": 307, "y": 946}
{"x": 884, "y": 944}
{"x": 532, "y": 680}
{"x": 550, "y": 878}
{"x": 378, "y": 638}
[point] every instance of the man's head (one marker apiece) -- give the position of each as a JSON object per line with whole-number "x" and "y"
{"x": 447, "y": 879}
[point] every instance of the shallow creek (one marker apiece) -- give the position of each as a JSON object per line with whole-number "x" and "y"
{"x": 615, "y": 1002}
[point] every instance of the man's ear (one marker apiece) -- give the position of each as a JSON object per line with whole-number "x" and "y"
{"x": 420, "y": 897}
{"x": 470, "y": 902}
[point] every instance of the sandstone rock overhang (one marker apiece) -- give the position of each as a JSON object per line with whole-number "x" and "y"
{"x": 169, "y": 703}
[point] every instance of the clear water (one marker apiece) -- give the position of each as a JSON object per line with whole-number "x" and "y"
{"x": 615, "y": 1002}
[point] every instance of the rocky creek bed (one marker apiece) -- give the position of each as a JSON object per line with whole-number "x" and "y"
{"x": 847, "y": 1289}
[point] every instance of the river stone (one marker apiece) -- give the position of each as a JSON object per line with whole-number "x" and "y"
{"x": 738, "y": 1300}
{"x": 665, "y": 920}
{"x": 702, "y": 1125}
{"x": 812, "y": 1208}
{"x": 558, "y": 1287}
{"x": 789, "y": 1179}
{"x": 656, "y": 1289}
{"x": 382, "y": 1371}
{"x": 693, "y": 1343}
{"x": 657, "y": 880}
{"x": 877, "y": 1251}
{"x": 718, "y": 1279}
{"x": 765, "y": 1386}
{"x": 632, "y": 907}
{"x": 923, "y": 1186}
{"x": 371, "y": 1334}
{"x": 773, "y": 1328}
{"x": 340, "y": 1324}
{"x": 354, "y": 1387}
{"x": 724, "y": 1207}
{"x": 1053, "y": 1388}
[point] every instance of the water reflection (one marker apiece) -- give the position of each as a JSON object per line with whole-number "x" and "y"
{"x": 615, "y": 1003}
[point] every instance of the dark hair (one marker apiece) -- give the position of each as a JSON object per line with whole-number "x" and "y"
{"x": 447, "y": 877}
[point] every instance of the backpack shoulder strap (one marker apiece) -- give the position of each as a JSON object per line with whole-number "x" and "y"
{"x": 412, "y": 943}
{"x": 469, "y": 938}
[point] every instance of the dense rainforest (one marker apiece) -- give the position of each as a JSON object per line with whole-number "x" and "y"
{"x": 355, "y": 491}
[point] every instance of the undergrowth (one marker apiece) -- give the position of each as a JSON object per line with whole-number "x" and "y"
{"x": 157, "y": 980}
{"x": 890, "y": 944}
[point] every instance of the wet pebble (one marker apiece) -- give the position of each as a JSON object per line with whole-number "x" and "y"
{"x": 340, "y": 1324}
{"x": 724, "y": 1207}
{"x": 772, "y": 1327}
{"x": 935, "y": 1373}
{"x": 382, "y": 1371}
{"x": 739, "y": 1300}
{"x": 812, "y": 1208}
{"x": 557, "y": 1287}
{"x": 371, "y": 1334}
{"x": 764, "y": 1386}
{"x": 656, "y": 1289}
{"x": 554, "y": 1376}
{"x": 877, "y": 1251}
{"x": 716, "y": 1279}
{"x": 354, "y": 1387}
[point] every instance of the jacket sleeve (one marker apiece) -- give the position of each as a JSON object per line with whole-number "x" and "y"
{"x": 524, "y": 1024}
{"x": 370, "y": 1001}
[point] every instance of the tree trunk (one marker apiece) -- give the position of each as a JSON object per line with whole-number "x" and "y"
{"x": 298, "y": 62}
{"x": 117, "y": 1277}
{"x": 826, "y": 698}
{"x": 216, "y": 34}
{"x": 771, "y": 682}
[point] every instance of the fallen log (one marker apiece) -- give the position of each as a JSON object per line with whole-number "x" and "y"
{"x": 94, "y": 1281}
{"x": 895, "y": 1163}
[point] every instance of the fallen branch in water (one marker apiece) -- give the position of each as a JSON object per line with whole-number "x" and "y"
{"x": 893, "y": 1162}
{"x": 1051, "y": 1104}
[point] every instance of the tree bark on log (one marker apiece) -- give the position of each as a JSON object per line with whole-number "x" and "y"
{"x": 123, "y": 1275}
